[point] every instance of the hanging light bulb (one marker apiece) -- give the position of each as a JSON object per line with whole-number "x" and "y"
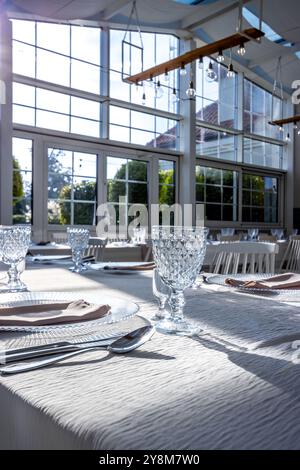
{"x": 241, "y": 50}
{"x": 220, "y": 57}
{"x": 174, "y": 97}
{"x": 298, "y": 131}
{"x": 288, "y": 138}
{"x": 200, "y": 63}
{"x": 211, "y": 75}
{"x": 280, "y": 129}
{"x": 191, "y": 92}
{"x": 159, "y": 90}
{"x": 230, "y": 71}
{"x": 183, "y": 70}
{"x": 295, "y": 126}
{"x": 144, "y": 98}
{"x": 166, "y": 75}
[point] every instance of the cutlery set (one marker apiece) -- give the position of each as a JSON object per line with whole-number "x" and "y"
{"x": 66, "y": 349}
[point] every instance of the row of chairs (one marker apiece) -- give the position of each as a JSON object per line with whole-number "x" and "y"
{"x": 232, "y": 258}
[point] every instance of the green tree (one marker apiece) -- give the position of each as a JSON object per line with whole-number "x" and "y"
{"x": 166, "y": 190}
{"x": 18, "y": 189}
{"x": 83, "y": 212}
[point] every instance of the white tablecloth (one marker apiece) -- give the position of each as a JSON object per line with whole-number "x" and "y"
{"x": 213, "y": 391}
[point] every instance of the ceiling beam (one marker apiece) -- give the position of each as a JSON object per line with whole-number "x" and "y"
{"x": 280, "y": 122}
{"x": 114, "y": 7}
{"x": 196, "y": 19}
{"x": 271, "y": 57}
{"x": 188, "y": 57}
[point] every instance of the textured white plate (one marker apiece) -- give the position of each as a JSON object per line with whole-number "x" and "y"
{"x": 219, "y": 279}
{"x": 120, "y": 309}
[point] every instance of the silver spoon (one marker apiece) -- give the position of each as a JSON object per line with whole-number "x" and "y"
{"x": 125, "y": 344}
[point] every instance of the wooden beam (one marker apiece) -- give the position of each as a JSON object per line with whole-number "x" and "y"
{"x": 281, "y": 122}
{"x": 204, "y": 51}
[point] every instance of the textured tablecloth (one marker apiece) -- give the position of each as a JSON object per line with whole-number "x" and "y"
{"x": 214, "y": 391}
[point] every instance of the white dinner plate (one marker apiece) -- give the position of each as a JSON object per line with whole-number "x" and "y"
{"x": 120, "y": 309}
{"x": 219, "y": 279}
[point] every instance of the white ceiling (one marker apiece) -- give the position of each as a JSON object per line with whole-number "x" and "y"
{"x": 208, "y": 22}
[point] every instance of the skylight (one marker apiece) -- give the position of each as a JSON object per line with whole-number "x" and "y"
{"x": 269, "y": 32}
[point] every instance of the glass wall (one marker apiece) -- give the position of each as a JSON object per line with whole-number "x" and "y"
{"x": 158, "y": 48}
{"x": 127, "y": 183}
{"x": 72, "y": 183}
{"x": 260, "y": 198}
{"x": 217, "y": 189}
{"x": 22, "y": 181}
{"x": 260, "y": 107}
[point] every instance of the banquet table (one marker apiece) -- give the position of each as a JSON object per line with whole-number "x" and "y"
{"x": 216, "y": 390}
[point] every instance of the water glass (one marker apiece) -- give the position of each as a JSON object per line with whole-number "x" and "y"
{"x": 78, "y": 239}
{"x": 14, "y": 243}
{"x": 178, "y": 254}
{"x": 161, "y": 291}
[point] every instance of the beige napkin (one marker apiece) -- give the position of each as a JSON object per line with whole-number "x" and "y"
{"x": 281, "y": 281}
{"x": 141, "y": 267}
{"x": 50, "y": 314}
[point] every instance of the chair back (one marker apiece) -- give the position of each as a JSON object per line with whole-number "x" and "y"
{"x": 245, "y": 257}
{"x": 291, "y": 257}
{"x": 59, "y": 237}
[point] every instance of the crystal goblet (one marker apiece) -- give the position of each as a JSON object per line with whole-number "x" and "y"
{"x": 14, "y": 241}
{"x": 178, "y": 254}
{"x": 78, "y": 239}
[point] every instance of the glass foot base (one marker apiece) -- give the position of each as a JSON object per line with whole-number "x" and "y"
{"x": 78, "y": 269}
{"x": 179, "y": 327}
{"x": 160, "y": 315}
{"x": 15, "y": 288}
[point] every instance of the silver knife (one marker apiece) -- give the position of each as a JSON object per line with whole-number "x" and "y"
{"x": 21, "y": 354}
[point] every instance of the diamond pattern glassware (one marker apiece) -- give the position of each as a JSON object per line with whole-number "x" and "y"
{"x": 14, "y": 243}
{"x": 178, "y": 253}
{"x": 78, "y": 239}
{"x": 161, "y": 291}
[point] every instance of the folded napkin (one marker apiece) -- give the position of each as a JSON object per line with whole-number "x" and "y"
{"x": 281, "y": 281}
{"x": 51, "y": 313}
{"x": 136, "y": 267}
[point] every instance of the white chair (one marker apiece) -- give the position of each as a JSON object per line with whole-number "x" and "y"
{"x": 59, "y": 237}
{"x": 96, "y": 248}
{"x": 291, "y": 258}
{"x": 245, "y": 257}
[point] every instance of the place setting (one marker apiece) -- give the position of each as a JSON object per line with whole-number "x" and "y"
{"x": 36, "y": 324}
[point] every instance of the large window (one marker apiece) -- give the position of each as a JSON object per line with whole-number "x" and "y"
{"x": 217, "y": 189}
{"x": 58, "y": 53}
{"x": 58, "y": 111}
{"x": 127, "y": 183}
{"x": 216, "y": 100}
{"x": 158, "y": 48}
{"x": 257, "y": 152}
{"x": 72, "y": 187}
{"x": 260, "y": 198}
{"x": 22, "y": 181}
{"x": 215, "y": 144}
{"x": 142, "y": 128}
{"x": 260, "y": 107}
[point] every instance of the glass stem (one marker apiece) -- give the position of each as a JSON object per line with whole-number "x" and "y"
{"x": 77, "y": 259}
{"x": 177, "y": 303}
{"x": 13, "y": 274}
